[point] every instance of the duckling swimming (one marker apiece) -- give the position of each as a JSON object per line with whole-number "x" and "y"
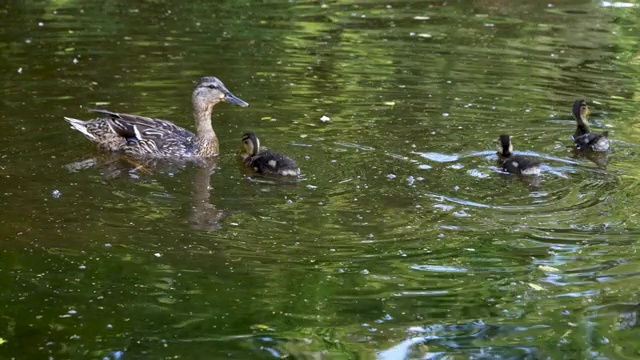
{"x": 583, "y": 137}
{"x": 140, "y": 136}
{"x": 263, "y": 161}
{"x": 518, "y": 165}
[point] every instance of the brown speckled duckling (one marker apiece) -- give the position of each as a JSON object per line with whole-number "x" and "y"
{"x": 510, "y": 163}
{"x": 263, "y": 161}
{"x": 583, "y": 137}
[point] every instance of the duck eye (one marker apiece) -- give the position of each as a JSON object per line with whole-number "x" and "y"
{"x": 212, "y": 86}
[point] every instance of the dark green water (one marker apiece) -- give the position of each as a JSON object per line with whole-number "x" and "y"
{"x": 401, "y": 228}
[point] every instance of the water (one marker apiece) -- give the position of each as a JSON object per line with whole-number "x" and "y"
{"x": 400, "y": 241}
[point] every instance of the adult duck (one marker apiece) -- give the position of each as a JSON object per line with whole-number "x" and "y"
{"x": 141, "y": 136}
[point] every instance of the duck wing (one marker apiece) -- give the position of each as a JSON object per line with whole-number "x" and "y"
{"x": 141, "y": 128}
{"x": 520, "y": 165}
{"x": 597, "y": 142}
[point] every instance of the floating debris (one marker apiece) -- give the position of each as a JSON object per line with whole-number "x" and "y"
{"x": 548, "y": 268}
{"x": 56, "y": 193}
{"x": 536, "y": 287}
{"x": 325, "y": 119}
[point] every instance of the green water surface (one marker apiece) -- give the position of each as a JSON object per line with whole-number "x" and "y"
{"x": 401, "y": 240}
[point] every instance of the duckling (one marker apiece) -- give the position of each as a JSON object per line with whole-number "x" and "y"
{"x": 583, "y": 137}
{"x": 518, "y": 165}
{"x": 264, "y": 161}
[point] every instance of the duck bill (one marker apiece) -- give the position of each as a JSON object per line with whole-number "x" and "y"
{"x": 232, "y": 99}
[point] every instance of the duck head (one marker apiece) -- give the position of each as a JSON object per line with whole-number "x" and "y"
{"x": 250, "y": 144}
{"x": 505, "y": 146}
{"x": 210, "y": 90}
{"x": 580, "y": 110}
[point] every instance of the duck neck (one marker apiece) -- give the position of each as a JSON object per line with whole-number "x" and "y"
{"x": 204, "y": 129}
{"x": 582, "y": 128}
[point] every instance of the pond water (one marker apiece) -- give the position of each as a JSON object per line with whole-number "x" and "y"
{"x": 401, "y": 240}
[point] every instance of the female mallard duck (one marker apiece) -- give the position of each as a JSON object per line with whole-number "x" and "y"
{"x": 264, "y": 161}
{"x": 518, "y": 165}
{"x": 583, "y": 137}
{"x": 149, "y": 137}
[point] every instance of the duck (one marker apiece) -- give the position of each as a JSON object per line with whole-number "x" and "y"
{"x": 583, "y": 137}
{"x": 264, "y": 161}
{"x": 140, "y": 136}
{"x": 518, "y": 165}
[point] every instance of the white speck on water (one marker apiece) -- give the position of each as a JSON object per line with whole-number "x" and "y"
{"x": 617, "y": 4}
{"x": 341, "y": 271}
{"x": 82, "y": 267}
{"x": 107, "y": 245}
{"x": 20, "y": 70}
{"x": 445, "y": 114}
{"x": 40, "y": 24}
{"x": 364, "y": 272}
{"x": 75, "y": 60}
{"x": 324, "y": 6}
{"x": 391, "y": 176}
{"x": 157, "y": 255}
{"x": 438, "y": 157}
{"x": 307, "y": 157}
{"x": 421, "y": 18}
{"x": 27, "y": 41}
{"x": 416, "y": 329}
{"x": 56, "y": 193}
{"x": 109, "y": 326}
{"x": 477, "y": 173}
{"x": 424, "y": 166}
{"x": 456, "y": 166}
{"x": 72, "y": 312}
{"x": 370, "y": 236}
{"x": 461, "y": 213}
{"x": 528, "y": 111}
{"x": 325, "y": 119}
{"x": 311, "y": 187}
{"x": 289, "y": 201}
{"x": 410, "y": 180}
{"x": 443, "y": 207}
{"x": 425, "y": 35}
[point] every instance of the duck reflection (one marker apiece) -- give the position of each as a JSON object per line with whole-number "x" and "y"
{"x": 204, "y": 215}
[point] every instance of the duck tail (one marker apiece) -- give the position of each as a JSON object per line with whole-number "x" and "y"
{"x": 605, "y": 134}
{"x": 80, "y": 126}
